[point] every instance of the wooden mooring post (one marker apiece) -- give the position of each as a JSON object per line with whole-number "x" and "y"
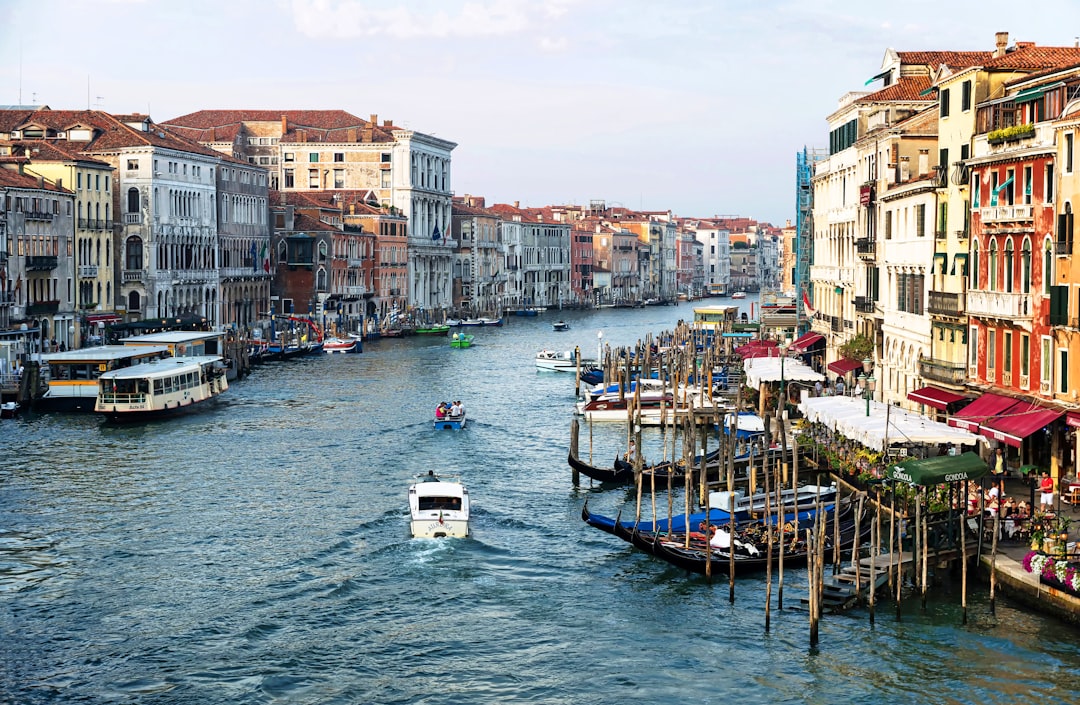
{"x": 575, "y": 476}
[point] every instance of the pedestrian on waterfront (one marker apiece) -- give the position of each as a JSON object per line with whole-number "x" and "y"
{"x": 1046, "y": 486}
{"x": 839, "y": 386}
{"x": 818, "y": 388}
{"x": 998, "y": 466}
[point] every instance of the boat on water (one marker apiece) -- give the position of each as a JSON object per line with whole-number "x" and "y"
{"x": 449, "y": 418}
{"x": 489, "y": 321}
{"x": 711, "y": 548}
{"x": 739, "y": 295}
{"x": 341, "y": 345}
{"x": 72, "y": 376}
{"x": 161, "y": 388}
{"x": 461, "y": 340}
{"x": 438, "y": 507}
{"x": 453, "y": 322}
{"x": 432, "y": 329}
{"x": 561, "y": 361}
{"x": 560, "y": 326}
{"x": 525, "y": 311}
{"x": 8, "y": 409}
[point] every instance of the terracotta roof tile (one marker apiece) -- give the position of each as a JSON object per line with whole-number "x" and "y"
{"x": 1033, "y": 57}
{"x": 954, "y": 59}
{"x": 317, "y": 125}
{"x": 52, "y": 151}
{"x": 908, "y": 88}
{"x": 302, "y": 221}
{"x": 11, "y": 178}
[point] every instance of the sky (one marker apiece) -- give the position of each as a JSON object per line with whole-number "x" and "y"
{"x": 683, "y": 105}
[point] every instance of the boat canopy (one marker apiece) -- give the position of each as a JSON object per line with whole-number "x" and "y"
{"x": 938, "y": 470}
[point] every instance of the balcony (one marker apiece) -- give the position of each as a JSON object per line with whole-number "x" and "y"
{"x": 88, "y": 271}
{"x": 355, "y": 291}
{"x": 866, "y": 248}
{"x": 7, "y": 298}
{"x": 37, "y": 215}
{"x": 42, "y": 308}
{"x": 998, "y": 304}
{"x": 943, "y": 371}
{"x": 355, "y": 262}
{"x": 1002, "y": 214}
{"x": 395, "y": 292}
{"x": 837, "y": 324}
{"x": 41, "y": 263}
{"x": 864, "y": 304}
{"x": 132, "y": 275}
{"x": 132, "y": 218}
{"x": 945, "y": 303}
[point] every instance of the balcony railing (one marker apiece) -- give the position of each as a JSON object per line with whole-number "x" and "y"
{"x": 132, "y": 218}
{"x": 88, "y": 271}
{"x": 945, "y": 303}
{"x": 355, "y": 290}
{"x": 133, "y": 275}
{"x": 998, "y": 304}
{"x": 37, "y": 215}
{"x": 1000, "y": 214}
{"x": 943, "y": 371}
{"x": 837, "y": 324}
{"x": 40, "y": 308}
{"x": 866, "y": 248}
{"x": 41, "y": 263}
{"x": 864, "y": 304}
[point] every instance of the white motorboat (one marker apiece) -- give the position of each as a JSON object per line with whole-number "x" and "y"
{"x": 560, "y": 326}
{"x": 739, "y": 295}
{"x": 439, "y": 507}
{"x": 341, "y": 345}
{"x": 560, "y": 361}
{"x": 742, "y": 504}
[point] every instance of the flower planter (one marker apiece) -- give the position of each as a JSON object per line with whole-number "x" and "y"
{"x": 1058, "y": 585}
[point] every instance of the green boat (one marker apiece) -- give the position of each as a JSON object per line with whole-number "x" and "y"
{"x": 461, "y": 340}
{"x": 432, "y": 329}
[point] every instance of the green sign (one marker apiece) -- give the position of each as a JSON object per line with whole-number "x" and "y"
{"x": 938, "y": 470}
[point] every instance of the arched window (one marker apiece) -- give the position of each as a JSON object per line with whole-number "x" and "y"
{"x": 973, "y": 272}
{"x": 320, "y": 280}
{"x": 133, "y": 253}
{"x": 133, "y": 200}
{"x": 993, "y": 265}
{"x": 1048, "y": 266}
{"x": 1025, "y": 266}
{"x": 1010, "y": 265}
{"x": 134, "y": 302}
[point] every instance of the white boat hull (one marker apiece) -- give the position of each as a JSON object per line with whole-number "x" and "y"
{"x": 433, "y": 528}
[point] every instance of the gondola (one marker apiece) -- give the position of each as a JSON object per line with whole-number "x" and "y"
{"x": 694, "y": 559}
{"x": 622, "y": 472}
{"x": 678, "y": 522}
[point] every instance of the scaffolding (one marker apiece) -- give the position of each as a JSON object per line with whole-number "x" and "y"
{"x": 804, "y": 225}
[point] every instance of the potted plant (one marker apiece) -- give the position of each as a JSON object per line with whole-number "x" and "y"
{"x": 1037, "y": 536}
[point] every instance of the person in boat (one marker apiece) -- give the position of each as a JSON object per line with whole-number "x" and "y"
{"x": 455, "y": 410}
{"x": 631, "y": 452}
{"x": 440, "y": 411}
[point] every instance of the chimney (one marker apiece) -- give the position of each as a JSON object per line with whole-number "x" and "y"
{"x": 1001, "y": 40}
{"x": 59, "y": 183}
{"x": 301, "y": 135}
{"x": 351, "y": 134}
{"x": 374, "y": 120}
{"x": 517, "y": 204}
{"x": 284, "y": 124}
{"x": 387, "y": 123}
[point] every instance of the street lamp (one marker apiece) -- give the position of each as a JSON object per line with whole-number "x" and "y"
{"x": 868, "y": 390}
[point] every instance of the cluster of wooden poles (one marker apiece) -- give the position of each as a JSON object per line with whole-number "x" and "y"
{"x": 678, "y": 360}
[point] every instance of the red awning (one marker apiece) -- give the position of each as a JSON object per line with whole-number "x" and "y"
{"x": 844, "y": 365}
{"x": 1073, "y": 419}
{"x": 805, "y": 341}
{"x": 103, "y": 318}
{"x": 1018, "y": 422}
{"x": 979, "y": 410}
{"x": 932, "y": 396}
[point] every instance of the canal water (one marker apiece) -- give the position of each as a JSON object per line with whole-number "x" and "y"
{"x": 259, "y": 553}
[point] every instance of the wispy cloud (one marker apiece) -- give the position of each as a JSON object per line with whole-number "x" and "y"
{"x": 367, "y": 18}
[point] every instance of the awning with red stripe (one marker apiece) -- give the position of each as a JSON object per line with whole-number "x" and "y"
{"x": 1073, "y": 419}
{"x": 844, "y": 365}
{"x": 934, "y": 397}
{"x": 1018, "y": 422}
{"x": 979, "y": 410}
{"x": 805, "y": 341}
